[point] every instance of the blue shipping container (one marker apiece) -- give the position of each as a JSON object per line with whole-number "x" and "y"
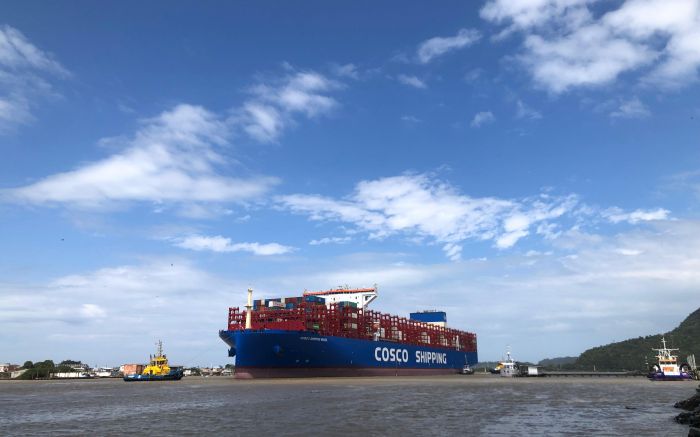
{"x": 429, "y": 316}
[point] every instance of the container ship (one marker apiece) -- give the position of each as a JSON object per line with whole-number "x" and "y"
{"x": 332, "y": 333}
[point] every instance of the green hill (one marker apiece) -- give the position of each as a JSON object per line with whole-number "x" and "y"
{"x": 557, "y": 362}
{"x": 630, "y": 354}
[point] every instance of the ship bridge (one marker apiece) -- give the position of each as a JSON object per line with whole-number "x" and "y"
{"x": 361, "y": 296}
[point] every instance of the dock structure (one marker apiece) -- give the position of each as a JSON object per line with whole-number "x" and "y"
{"x": 577, "y": 373}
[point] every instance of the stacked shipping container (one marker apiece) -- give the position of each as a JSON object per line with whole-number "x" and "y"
{"x": 344, "y": 319}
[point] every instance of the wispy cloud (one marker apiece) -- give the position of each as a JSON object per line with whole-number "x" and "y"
{"x": 330, "y": 240}
{"x": 346, "y": 70}
{"x": 482, "y": 118}
{"x": 526, "y": 112}
{"x": 26, "y": 73}
{"x": 616, "y": 215}
{"x": 411, "y": 81}
{"x": 633, "y": 108}
{"x": 275, "y": 105}
{"x": 222, "y": 244}
{"x": 411, "y": 119}
{"x": 173, "y": 158}
{"x": 438, "y": 46}
{"x": 567, "y": 46}
{"x": 416, "y": 205}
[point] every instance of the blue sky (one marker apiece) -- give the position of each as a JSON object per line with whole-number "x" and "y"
{"x": 530, "y": 167}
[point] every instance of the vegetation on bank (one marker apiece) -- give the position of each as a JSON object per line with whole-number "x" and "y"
{"x": 557, "y": 363}
{"x": 43, "y": 369}
{"x": 631, "y": 354}
{"x": 628, "y": 355}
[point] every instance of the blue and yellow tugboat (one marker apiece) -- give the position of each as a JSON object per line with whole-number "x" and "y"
{"x": 157, "y": 369}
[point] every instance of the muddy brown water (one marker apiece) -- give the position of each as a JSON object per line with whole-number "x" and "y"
{"x": 478, "y": 405}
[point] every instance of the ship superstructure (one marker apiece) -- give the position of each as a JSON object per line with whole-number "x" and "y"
{"x": 333, "y": 333}
{"x": 509, "y": 367}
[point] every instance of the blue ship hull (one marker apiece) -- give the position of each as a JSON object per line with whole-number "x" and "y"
{"x": 660, "y": 376}
{"x": 278, "y": 353}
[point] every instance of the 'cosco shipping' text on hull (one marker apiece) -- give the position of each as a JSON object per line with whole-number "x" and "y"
{"x": 282, "y": 354}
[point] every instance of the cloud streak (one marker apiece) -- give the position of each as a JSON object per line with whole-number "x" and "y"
{"x": 173, "y": 158}
{"x": 412, "y": 81}
{"x": 439, "y": 46}
{"x": 26, "y": 74}
{"x": 222, "y": 244}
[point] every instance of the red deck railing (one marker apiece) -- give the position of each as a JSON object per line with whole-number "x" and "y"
{"x": 353, "y": 323}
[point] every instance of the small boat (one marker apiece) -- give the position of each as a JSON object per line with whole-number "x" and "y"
{"x": 467, "y": 370}
{"x": 510, "y": 367}
{"x": 157, "y": 369}
{"x": 667, "y": 368}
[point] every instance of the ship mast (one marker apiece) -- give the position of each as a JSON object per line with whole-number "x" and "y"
{"x": 249, "y": 308}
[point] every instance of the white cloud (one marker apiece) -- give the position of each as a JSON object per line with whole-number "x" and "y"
{"x": 411, "y": 81}
{"x": 482, "y": 118}
{"x": 347, "y": 70}
{"x": 222, "y": 244}
{"x": 275, "y": 105}
{"x": 524, "y": 111}
{"x": 438, "y": 46}
{"x": 633, "y": 108}
{"x": 628, "y": 252}
{"x": 473, "y": 75}
{"x": 416, "y": 205}
{"x": 591, "y": 56}
{"x": 616, "y": 215}
{"x": 25, "y": 75}
{"x": 411, "y": 119}
{"x": 580, "y": 299}
{"x": 330, "y": 240}
{"x": 172, "y": 158}
{"x": 566, "y": 46}
{"x": 516, "y": 225}
{"x": 263, "y": 122}
{"x": 92, "y": 311}
{"x": 109, "y": 309}
{"x": 528, "y": 14}
{"x": 17, "y": 52}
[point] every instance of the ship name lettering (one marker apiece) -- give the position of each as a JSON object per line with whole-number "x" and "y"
{"x": 431, "y": 357}
{"x": 391, "y": 354}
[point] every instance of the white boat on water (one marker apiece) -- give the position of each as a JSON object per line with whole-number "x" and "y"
{"x": 667, "y": 368}
{"x": 510, "y": 367}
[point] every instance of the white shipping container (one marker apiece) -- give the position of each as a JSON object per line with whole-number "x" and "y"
{"x": 441, "y": 324}
{"x": 275, "y": 304}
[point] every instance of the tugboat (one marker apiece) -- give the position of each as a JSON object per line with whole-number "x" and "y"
{"x": 467, "y": 370}
{"x": 667, "y": 368}
{"x": 157, "y": 369}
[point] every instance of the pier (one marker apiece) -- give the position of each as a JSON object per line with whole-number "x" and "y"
{"x": 573, "y": 373}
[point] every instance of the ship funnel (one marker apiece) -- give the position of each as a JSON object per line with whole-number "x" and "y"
{"x": 249, "y": 308}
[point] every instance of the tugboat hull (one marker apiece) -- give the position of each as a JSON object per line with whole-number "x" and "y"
{"x": 172, "y": 376}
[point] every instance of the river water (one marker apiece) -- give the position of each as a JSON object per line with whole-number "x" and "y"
{"x": 447, "y": 405}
